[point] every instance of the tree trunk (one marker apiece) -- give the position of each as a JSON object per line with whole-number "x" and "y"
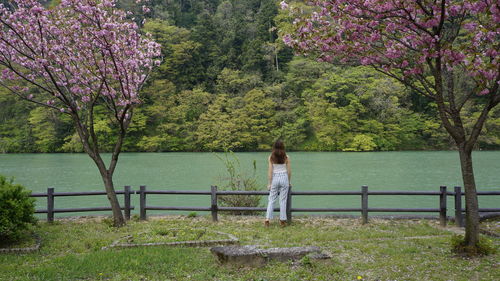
{"x": 92, "y": 149}
{"x": 118, "y": 218}
{"x": 471, "y": 202}
{"x": 107, "y": 178}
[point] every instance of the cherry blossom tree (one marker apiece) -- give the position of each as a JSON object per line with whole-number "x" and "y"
{"x": 73, "y": 58}
{"x": 445, "y": 50}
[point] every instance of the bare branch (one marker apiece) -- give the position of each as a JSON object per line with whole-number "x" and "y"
{"x": 18, "y": 35}
{"x": 478, "y": 126}
{"x": 422, "y": 7}
{"x": 406, "y": 82}
{"x": 27, "y": 99}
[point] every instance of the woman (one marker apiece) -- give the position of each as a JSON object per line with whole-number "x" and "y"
{"x": 278, "y": 175}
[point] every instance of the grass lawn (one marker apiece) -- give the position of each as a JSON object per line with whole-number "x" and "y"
{"x": 380, "y": 250}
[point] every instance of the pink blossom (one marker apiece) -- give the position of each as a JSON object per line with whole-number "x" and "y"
{"x": 402, "y": 35}
{"x": 484, "y": 92}
{"x": 365, "y": 61}
{"x": 489, "y": 74}
{"x": 328, "y": 58}
{"x": 470, "y": 26}
{"x": 37, "y": 10}
{"x": 287, "y": 39}
{"x": 283, "y": 5}
{"x": 390, "y": 27}
{"x": 455, "y": 10}
{"x": 62, "y": 60}
{"x": 431, "y": 23}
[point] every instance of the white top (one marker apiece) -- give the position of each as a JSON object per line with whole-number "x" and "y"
{"x": 279, "y": 168}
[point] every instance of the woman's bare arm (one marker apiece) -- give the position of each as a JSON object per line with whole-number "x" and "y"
{"x": 269, "y": 173}
{"x": 289, "y": 170}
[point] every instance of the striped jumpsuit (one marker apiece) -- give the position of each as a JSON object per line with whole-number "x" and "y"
{"x": 279, "y": 185}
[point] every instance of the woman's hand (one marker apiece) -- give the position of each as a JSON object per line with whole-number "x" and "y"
{"x": 269, "y": 187}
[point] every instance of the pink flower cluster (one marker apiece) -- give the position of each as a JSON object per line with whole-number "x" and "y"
{"x": 75, "y": 53}
{"x": 403, "y": 35}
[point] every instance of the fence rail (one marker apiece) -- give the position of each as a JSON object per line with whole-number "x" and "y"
{"x": 215, "y": 208}
{"x": 51, "y": 210}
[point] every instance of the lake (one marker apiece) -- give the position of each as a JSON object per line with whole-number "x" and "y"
{"x": 407, "y": 170}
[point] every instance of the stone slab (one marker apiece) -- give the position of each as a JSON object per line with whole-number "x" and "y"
{"x": 251, "y": 255}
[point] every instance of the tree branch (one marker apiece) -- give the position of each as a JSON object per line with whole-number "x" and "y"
{"x": 18, "y": 35}
{"x": 124, "y": 122}
{"x": 20, "y": 74}
{"x": 25, "y": 98}
{"x": 405, "y": 82}
{"x": 93, "y": 136}
{"x": 478, "y": 126}
{"x": 441, "y": 20}
{"x": 422, "y": 7}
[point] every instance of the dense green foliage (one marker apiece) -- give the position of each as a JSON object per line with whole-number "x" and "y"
{"x": 227, "y": 82}
{"x": 17, "y": 210}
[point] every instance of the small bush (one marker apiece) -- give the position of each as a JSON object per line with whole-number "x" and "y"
{"x": 16, "y": 210}
{"x": 237, "y": 180}
{"x": 483, "y": 247}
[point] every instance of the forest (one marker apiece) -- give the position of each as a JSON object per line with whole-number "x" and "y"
{"x": 228, "y": 82}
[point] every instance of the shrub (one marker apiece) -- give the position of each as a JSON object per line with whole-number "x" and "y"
{"x": 238, "y": 180}
{"x": 16, "y": 210}
{"x": 483, "y": 247}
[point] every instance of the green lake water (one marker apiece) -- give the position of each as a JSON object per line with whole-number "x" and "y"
{"x": 315, "y": 171}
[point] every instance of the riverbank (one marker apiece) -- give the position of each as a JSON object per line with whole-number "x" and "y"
{"x": 382, "y": 250}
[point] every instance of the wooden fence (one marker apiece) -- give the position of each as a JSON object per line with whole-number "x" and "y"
{"x": 215, "y": 208}
{"x": 51, "y": 210}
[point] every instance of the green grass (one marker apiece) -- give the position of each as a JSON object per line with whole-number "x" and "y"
{"x": 380, "y": 250}
{"x": 162, "y": 234}
{"x": 491, "y": 226}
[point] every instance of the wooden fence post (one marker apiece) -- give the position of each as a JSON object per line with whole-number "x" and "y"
{"x": 458, "y": 207}
{"x": 126, "y": 199}
{"x": 289, "y": 205}
{"x": 214, "y": 207}
{"x": 142, "y": 202}
{"x": 442, "y": 206}
{"x": 364, "y": 204}
{"x": 50, "y": 204}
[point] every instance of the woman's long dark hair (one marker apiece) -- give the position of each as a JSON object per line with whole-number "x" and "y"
{"x": 278, "y": 156}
